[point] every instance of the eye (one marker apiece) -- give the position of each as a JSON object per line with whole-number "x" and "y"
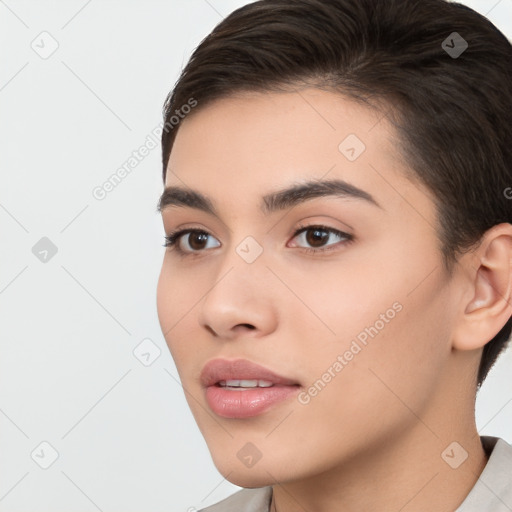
{"x": 317, "y": 236}
{"x": 314, "y": 235}
{"x": 196, "y": 242}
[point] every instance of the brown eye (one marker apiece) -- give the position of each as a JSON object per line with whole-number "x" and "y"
{"x": 317, "y": 237}
{"x": 196, "y": 241}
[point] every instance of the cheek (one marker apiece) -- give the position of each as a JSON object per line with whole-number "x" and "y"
{"x": 165, "y": 298}
{"x": 174, "y": 300}
{"x": 177, "y": 293}
{"x": 388, "y": 319}
{"x": 404, "y": 350}
{"x": 338, "y": 301}
{"x": 378, "y": 386}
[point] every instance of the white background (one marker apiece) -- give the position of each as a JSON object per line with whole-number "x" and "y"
{"x": 125, "y": 438}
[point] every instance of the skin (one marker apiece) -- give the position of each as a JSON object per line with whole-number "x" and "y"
{"x": 372, "y": 438}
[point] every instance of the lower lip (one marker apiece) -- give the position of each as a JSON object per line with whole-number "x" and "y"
{"x": 247, "y": 402}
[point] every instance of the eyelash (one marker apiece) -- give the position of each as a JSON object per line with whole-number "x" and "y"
{"x": 173, "y": 238}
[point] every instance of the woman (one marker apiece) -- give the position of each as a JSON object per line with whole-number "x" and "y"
{"x": 338, "y": 276}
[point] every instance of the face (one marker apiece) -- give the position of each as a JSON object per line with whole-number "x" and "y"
{"x": 331, "y": 305}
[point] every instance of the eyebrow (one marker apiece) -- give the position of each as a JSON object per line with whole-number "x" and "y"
{"x": 272, "y": 202}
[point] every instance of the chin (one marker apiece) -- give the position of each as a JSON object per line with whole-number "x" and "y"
{"x": 266, "y": 471}
{"x": 247, "y": 478}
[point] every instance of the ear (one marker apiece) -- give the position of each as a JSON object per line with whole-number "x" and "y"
{"x": 488, "y": 272}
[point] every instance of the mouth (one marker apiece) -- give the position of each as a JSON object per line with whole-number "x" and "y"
{"x": 241, "y": 373}
{"x": 242, "y": 389}
{"x": 244, "y": 384}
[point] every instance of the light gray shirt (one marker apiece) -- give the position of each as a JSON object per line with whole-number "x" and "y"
{"x": 492, "y": 491}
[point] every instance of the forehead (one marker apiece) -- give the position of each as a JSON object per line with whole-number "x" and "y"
{"x": 270, "y": 121}
{"x": 249, "y": 144}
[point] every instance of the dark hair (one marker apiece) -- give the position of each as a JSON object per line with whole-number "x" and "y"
{"x": 452, "y": 111}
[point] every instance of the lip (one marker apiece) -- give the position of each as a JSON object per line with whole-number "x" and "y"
{"x": 223, "y": 369}
{"x": 247, "y": 402}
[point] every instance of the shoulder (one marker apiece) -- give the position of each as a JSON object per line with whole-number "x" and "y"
{"x": 246, "y": 500}
{"x": 493, "y": 489}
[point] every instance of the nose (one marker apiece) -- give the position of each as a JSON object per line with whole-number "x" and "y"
{"x": 239, "y": 302}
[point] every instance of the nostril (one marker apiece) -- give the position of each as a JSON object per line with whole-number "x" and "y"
{"x": 211, "y": 330}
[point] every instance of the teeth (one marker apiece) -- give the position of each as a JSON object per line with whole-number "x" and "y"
{"x": 246, "y": 383}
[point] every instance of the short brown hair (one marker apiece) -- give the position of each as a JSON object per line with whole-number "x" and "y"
{"x": 452, "y": 111}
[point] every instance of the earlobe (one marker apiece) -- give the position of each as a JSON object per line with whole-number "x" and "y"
{"x": 490, "y": 305}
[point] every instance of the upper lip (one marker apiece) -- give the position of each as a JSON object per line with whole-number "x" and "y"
{"x": 239, "y": 369}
